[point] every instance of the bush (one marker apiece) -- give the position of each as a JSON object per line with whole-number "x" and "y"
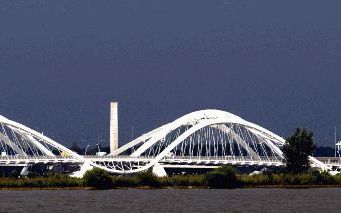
{"x": 148, "y": 179}
{"x": 41, "y": 182}
{"x": 321, "y": 177}
{"x": 222, "y": 178}
{"x": 98, "y": 178}
{"x": 337, "y": 179}
{"x": 313, "y": 177}
{"x": 260, "y": 179}
{"x": 125, "y": 181}
{"x": 183, "y": 180}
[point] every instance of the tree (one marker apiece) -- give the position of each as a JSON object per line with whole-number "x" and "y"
{"x": 297, "y": 150}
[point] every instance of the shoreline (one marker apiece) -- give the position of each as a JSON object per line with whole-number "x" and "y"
{"x": 172, "y": 187}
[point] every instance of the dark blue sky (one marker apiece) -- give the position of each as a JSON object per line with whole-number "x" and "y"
{"x": 276, "y": 63}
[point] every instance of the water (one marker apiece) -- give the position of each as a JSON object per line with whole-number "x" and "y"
{"x": 173, "y": 200}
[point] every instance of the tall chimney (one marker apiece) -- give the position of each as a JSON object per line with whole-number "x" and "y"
{"x": 113, "y": 127}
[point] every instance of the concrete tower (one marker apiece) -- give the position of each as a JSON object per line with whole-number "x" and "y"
{"x": 113, "y": 126}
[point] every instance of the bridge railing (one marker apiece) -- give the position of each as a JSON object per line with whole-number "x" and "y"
{"x": 224, "y": 158}
{"x": 128, "y": 157}
{"x": 116, "y": 157}
{"x": 16, "y": 157}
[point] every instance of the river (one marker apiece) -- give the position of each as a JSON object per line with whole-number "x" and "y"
{"x": 172, "y": 200}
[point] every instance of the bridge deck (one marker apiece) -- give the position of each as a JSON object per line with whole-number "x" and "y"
{"x": 330, "y": 161}
{"x": 22, "y": 160}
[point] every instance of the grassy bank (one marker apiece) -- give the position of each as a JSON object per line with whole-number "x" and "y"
{"x": 52, "y": 181}
{"x": 220, "y": 178}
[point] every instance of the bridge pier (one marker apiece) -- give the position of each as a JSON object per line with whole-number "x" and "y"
{"x": 24, "y": 171}
{"x": 159, "y": 171}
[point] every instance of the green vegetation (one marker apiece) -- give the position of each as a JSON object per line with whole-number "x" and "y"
{"x": 310, "y": 178}
{"x": 52, "y": 181}
{"x": 183, "y": 181}
{"x": 296, "y": 151}
{"x": 98, "y": 178}
{"x": 148, "y": 179}
{"x": 223, "y": 177}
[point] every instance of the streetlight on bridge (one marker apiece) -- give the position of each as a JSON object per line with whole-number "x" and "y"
{"x": 86, "y": 149}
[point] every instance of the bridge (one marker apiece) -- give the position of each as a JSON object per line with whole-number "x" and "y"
{"x": 201, "y": 139}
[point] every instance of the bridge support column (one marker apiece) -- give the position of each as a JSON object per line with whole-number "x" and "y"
{"x": 84, "y": 168}
{"x": 24, "y": 171}
{"x": 159, "y": 171}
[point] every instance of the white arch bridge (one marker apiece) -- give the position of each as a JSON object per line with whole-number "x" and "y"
{"x": 201, "y": 139}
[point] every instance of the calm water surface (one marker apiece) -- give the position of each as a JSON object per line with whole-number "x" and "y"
{"x": 173, "y": 200}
